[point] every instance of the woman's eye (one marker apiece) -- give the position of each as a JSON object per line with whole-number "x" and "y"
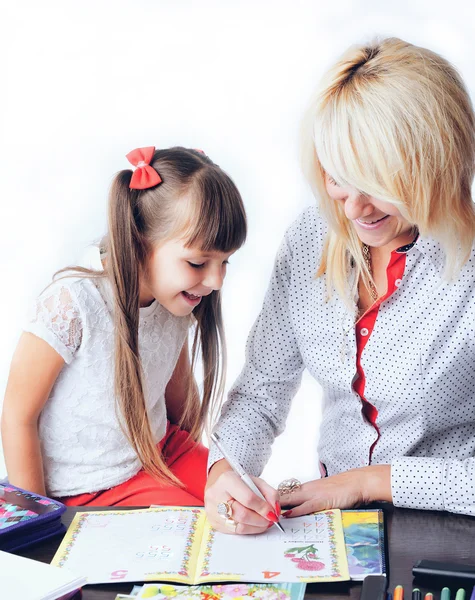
{"x": 196, "y": 265}
{"x": 332, "y": 181}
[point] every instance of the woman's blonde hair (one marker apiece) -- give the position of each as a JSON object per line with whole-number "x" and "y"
{"x": 394, "y": 121}
{"x": 199, "y": 202}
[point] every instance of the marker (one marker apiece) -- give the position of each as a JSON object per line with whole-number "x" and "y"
{"x": 445, "y": 594}
{"x": 472, "y": 597}
{"x": 416, "y": 594}
{"x": 389, "y": 596}
{"x": 398, "y": 593}
{"x": 429, "y": 596}
{"x": 460, "y": 595}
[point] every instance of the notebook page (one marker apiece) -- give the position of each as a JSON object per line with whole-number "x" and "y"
{"x": 134, "y": 545}
{"x": 311, "y": 550}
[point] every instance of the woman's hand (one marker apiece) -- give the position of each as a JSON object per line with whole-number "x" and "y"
{"x": 345, "y": 490}
{"x": 251, "y": 514}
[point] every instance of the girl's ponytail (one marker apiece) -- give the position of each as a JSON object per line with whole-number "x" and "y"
{"x": 210, "y": 339}
{"x": 126, "y": 258}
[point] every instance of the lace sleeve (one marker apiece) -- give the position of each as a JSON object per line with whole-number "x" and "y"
{"x": 57, "y": 320}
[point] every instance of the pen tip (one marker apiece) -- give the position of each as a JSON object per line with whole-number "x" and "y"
{"x": 280, "y": 527}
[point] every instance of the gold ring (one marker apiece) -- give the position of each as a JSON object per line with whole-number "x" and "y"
{"x": 225, "y": 510}
{"x": 288, "y": 486}
{"x": 231, "y": 524}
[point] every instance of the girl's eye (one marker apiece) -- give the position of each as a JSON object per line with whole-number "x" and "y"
{"x": 196, "y": 265}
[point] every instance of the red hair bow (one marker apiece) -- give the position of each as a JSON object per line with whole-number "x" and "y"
{"x": 144, "y": 176}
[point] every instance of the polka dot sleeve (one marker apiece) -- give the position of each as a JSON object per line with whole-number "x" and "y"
{"x": 259, "y": 402}
{"x": 434, "y": 484}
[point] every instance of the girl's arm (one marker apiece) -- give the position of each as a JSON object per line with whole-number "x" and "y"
{"x": 177, "y": 390}
{"x": 34, "y": 369}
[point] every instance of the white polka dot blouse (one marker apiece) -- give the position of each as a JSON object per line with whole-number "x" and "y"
{"x": 418, "y": 363}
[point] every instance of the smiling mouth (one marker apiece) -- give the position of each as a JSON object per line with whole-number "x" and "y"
{"x": 372, "y": 222}
{"x": 192, "y": 296}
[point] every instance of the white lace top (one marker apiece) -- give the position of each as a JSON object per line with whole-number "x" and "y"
{"x": 83, "y": 446}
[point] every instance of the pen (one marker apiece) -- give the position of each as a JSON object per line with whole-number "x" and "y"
{"x": 460, "y": 595}
{"x": 398, "y": 593}
{"x": 445, "y": 594}
{"x": 416, "y": 594}
{"x": 236, "y": 467}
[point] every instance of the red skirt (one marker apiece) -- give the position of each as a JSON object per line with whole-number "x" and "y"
{"x": 185, "y": 458}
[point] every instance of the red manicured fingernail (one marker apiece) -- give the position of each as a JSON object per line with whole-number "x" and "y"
{"x": 270, "y": 525}
{"x": 272, "y": 517}
{"x": 287, "y": 513}
{"x": 277, "y": 509}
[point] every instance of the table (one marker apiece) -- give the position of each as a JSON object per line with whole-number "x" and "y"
{"x": 411, "y": 536}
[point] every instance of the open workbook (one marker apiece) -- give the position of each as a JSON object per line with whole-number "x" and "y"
{"x": 178, "y": 544}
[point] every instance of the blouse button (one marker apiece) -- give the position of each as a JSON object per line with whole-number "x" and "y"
{"x": 364, "y": 331}
{"x": 398, "y": 282}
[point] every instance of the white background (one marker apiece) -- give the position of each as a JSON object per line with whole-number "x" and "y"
{"x": 84, "y": 83}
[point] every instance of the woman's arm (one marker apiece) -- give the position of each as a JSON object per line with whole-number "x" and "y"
{"x": 177, "y": 390}
{"x": 257, "y": 408}
{"x": 34, "y": 369}
{"x": 345, "y": 490}
{"x": 259, "y": 402}
{"x": 421, "y": 482}
{"x": 434, "y": 483}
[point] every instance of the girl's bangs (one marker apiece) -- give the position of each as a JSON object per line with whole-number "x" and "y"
{"x": 216, "y": 216}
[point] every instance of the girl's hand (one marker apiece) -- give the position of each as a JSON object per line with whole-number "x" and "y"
{"x": 345, "y": 490}
{"x": 251, "y": 514}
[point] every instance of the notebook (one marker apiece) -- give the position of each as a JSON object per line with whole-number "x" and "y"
{"x": 364, "y": 541}
{"x": 25, "y": 578}
{"x": 177, "y": 544}
{"x": 27, "y": 518}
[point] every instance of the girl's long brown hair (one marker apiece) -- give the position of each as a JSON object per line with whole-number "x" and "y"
{"x": 199, "y": 202}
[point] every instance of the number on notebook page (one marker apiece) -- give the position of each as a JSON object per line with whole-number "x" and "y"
{"x": 119, "y": 574}
{"x": 270, "y": 574}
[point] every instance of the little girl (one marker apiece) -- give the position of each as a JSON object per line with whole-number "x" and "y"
{"x": 101, "y": 406}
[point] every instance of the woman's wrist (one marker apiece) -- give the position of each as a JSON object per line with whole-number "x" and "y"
{"x": 377, "y": 483}
{"x": 217, "y": 469}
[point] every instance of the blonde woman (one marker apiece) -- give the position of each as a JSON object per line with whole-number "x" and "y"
{"x": 373, "y": 292}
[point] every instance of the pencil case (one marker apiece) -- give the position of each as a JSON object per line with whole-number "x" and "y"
{"x": 27, "y": 518}
{"x": 444, "y": 570}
